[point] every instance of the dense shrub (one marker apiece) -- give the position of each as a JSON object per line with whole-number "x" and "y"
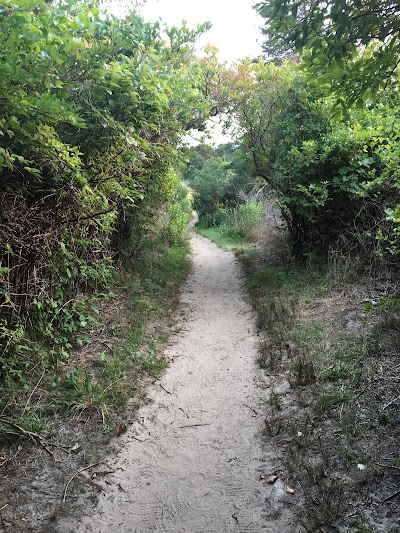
{"x": 91, "y": 111}
{"x": 244, "y": 220}
{"x": 334, "y": 181}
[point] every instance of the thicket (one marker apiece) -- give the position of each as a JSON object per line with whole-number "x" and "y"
{"x": 335, "y": 182}
{"x": 222, "y": 183}
{"x": 91, "y": 111}
{"x": 336, "y": 135}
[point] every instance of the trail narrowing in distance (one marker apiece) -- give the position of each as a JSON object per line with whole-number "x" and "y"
{"x": 192, "y": 463}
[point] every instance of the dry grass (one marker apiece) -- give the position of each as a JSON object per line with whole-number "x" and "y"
{"x": 333, "y": 361}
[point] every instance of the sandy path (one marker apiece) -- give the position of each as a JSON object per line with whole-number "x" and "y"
{"x": 193, "y": 464}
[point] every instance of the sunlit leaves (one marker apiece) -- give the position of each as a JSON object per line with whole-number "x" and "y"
{"x": 91, "y": 111}
{"x": 354, "y": 46}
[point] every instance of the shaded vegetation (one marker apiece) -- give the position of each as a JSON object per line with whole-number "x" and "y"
{"x": 330, "y": 356}
{"x": 92, "y": 109}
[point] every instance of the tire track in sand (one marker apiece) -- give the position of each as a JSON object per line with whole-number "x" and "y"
{"x": 193, "y": 465}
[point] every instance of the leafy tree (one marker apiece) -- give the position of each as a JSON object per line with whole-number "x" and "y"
{"x": 193, "y": 159}
{"x": 211, "y": 185}
{"x": 331, "y": 180}
{"x": 92, "y": 109}
{"x": 217, "y": 176}
{"x": 352, "y": 46}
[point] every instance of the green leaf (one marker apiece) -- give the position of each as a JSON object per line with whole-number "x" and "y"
{"x": 54, "y": 52}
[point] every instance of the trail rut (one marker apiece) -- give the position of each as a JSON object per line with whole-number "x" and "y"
{"x": 193, "y": 461}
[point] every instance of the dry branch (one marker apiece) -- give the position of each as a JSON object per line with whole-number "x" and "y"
{"x": 77, "y": 473}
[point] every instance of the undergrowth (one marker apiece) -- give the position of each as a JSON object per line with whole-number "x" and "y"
{"x": 119, "y": 351}
{"x": 339, "y": 417}
{"x": 247, "y": 251}
{"x": 331, "y": 354}
{"x": 221, "y": 239}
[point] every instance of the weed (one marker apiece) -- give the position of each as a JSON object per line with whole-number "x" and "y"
{"x": 270, "y": 354}
{"x": 302, "y": 370}
{"x": 274, "y": 424}
{"x": 75, "y": 392}
{"x": 324, "y": 434}
{"x": 380, "y": 419}
{"x": 248, "y": 254}
{"x": 344, "y": 268}
{"x": 386, "y": 332}
{"x": 336, "y": 372}
{"x": 222, "y": 240}
{"x": 360, "y": 525}
{"x": 104, "y": 382}
{"x": 274, "y": 401}
{"x": 326, "y": 507}
{"x": 308, "y": 333}
{"x": 30, "y": 423}
{"x": 275, "y": 315}
{"x": 330, "y": 398}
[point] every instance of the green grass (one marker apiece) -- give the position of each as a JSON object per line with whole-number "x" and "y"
{"x": 338, "y": 371}
{"x": 102, "y": 385}
{"x": 291, "y": 279}
{"x": 222, "y": 240}
{"x": 247, "y": 252}
{"x": 117, "y": 376}
{"x": 330, "y": 398}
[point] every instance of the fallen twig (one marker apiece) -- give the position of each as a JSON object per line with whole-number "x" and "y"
{"x": 34, "y": 437}
{"x": 194, "y": 425}
{"x": 251, "y": 409}
{"x": 391, "y": 496}
{"x": 106, "y": 345}
{"x": 30, "y": 434}
{"x": 137, "y": 438}
{"x": 164, "y": 389}
{"x": 4, "y": 506}
{"x": 33, "y": 391}
{"x": 364, "y": 389}
{"x": 161, "y": 385}
{"x": 74, "y": 476}
{"x": 390, "y": 403}
{"x": 388, "y": 466}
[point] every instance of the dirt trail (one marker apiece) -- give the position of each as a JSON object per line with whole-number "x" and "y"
{"x": 193, "y": 462}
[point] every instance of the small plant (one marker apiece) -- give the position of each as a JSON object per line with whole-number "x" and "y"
{"x": 336, "y": 372}
{"x": 276, "y": 315}
{"x": 270, "y": 354}
{"x": 274, "y": 424}
{"x": 329, "y": 399}
{"x": 274, "y": 401}
{"x": 302, "y": 370}
{"x": 22, "y": 426}
{"x": 381, "y": 419}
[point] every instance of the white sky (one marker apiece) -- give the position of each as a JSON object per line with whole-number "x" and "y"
{"x": 235, "y": 32}
{"x": 235, "y": 28}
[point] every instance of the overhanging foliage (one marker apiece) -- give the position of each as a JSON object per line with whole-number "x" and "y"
{"x": 351, "y": 46}
{"x": 91, "y": 111}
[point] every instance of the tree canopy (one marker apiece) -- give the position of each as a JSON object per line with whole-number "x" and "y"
{"x": 92, "y": 109}
{"x": 351, "y": 46}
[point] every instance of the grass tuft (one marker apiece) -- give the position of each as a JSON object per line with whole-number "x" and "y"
{"x": 123, "y": 352}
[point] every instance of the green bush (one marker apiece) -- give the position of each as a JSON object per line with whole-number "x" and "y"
{"x": 336, "y": 183}
{"x": 92, "y": 109}
{"x": 179, "y": 213}
{"x": 244, "y": 220}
